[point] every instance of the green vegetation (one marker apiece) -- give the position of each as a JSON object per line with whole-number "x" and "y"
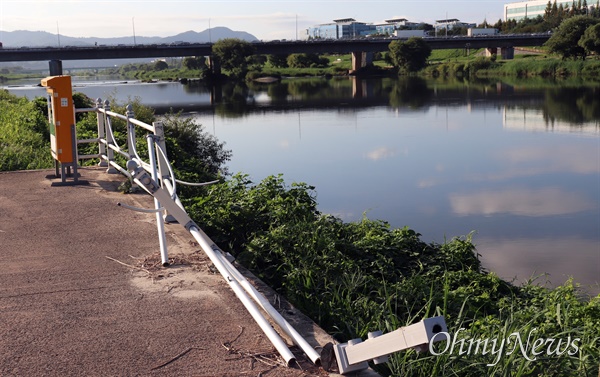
{"x": 234, "y": 55}
{"x": 409, "y": 56}
{"x": 24, "y": 135}
{"x": 526, "y": 67}
{"x": 565, "y": 41}
{"x": 352, "y": 278}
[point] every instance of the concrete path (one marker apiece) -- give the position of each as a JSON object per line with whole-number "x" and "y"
{"x": 82, "y": 292}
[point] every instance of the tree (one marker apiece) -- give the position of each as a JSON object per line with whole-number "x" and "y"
{"x": 565, "y": 40}
{"x": 548, "y": 11}
{"x": 411, "y": 55}
{"x": 307, "y": 61}
{"x": 232, "y": 53}
{"x": 278, "y": 61}
{"x": 194, "y": 62}
{"x": 160, "y": 65}
{"x": 590, "y": 40}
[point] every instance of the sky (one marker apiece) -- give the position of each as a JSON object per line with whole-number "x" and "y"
{"x": 265, "y": 19}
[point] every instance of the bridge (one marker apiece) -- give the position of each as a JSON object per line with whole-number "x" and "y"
{"x": 361, "y": 49}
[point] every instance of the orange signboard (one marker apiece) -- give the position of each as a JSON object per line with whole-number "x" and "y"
{"x": 61, "y": 115}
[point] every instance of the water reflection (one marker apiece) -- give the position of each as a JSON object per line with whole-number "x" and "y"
{"x": 547, "y": 201}
{"x": 515, "y": 162}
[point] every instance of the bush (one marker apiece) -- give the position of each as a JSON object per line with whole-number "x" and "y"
{"x": 24, "y": 134}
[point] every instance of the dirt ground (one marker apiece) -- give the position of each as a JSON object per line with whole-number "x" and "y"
{"x": 82, "y": 291}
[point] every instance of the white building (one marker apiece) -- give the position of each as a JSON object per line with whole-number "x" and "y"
{"x": 451, "y": 24}
{"x": 530, "y": 9}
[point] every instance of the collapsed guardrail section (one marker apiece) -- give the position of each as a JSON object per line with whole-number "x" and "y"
{"x": 156, "y": 177}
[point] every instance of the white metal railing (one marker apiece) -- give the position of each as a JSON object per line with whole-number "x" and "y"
{"x": 157, "y": 178}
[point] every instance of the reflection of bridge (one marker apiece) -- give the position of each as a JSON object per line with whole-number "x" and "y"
{"x": 361, "y": 49}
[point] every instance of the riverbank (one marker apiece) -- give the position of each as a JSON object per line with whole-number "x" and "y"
{"x": 525, "y": 67}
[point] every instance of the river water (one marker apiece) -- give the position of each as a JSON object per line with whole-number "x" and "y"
{"x": 515, "y": 162}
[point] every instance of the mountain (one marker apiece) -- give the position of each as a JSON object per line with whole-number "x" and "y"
{"x": 20, "y": 38}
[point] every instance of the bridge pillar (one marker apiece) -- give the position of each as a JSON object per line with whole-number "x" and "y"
{"x": 361, "y": 59}
{"x": 359, "y": 88}
{"x": 214, "y": 65}
{"x": 55, "y": 67}
{"x": 507, "y": 52}
{"x": 491, "y": 51}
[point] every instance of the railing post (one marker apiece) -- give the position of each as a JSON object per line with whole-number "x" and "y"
{"x": 163, "y": 165}
{"x": 101, "y": 133}
{"x": 159, "y": 133}
{"x": 160, "y": 223}
{"x": 131, "y": 146}
{"x": 130, "y": 131}
{"x": 109, "y": 140}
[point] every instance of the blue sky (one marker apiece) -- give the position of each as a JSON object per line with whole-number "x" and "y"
{"x": 266, "y": 19}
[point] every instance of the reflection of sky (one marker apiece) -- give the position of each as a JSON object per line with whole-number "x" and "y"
{"x": 560, "y": 258}
{"x": 548, "y": 201}
{"x": 444, "y": 172}
{"x": 530, "y": 192}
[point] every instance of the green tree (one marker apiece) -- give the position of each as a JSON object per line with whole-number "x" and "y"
{"x": 411, "y": 55}
{"x": 278, "y": 61}
{"x": 590, "y": 40}
{"x": 565, "y": 40}
{"x": 232, "y": 53}
{"x": 307, "y": 61}
{"x": 195, "y": 63}
{"x": 160, "y": 65}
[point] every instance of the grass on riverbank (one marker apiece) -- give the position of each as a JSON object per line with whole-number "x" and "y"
{"x": 24, "y": 135}
{"x": 352, "y": 278}
{"x": 533, "y": 66}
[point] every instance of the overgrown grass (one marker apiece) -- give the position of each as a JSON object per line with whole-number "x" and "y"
{"x": 550, "y": 67}
{"x": 24, "y": 138}
{"x": 522, "y": 66}
{"x": 352, "y": 278}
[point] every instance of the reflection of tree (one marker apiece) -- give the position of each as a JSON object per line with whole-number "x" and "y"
{"x": 311, "y": 89}
{"x": 573, "y": 105}
{"x": 235, "y": 100}
{"x": 278, "y": 92}
{"x": 196, "y": 87}
{"x": 410, "y": 91}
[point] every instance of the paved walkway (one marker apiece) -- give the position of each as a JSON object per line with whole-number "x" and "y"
{"x": 82, "y": 291}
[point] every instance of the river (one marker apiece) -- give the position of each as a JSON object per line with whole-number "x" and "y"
{"x": 515, "y": 162}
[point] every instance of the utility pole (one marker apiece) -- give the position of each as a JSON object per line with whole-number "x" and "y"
{"x": 57, "y": 33}
{"x": 133, "y": 25}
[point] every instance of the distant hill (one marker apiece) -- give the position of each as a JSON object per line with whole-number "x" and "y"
{"x": 21, "y": 38}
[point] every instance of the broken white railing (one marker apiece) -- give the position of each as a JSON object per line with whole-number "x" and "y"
{"x": 156, "y": 177}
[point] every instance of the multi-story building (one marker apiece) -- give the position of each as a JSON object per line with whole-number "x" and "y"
{"x": 350, "y": 28}
{"x": 530, "y": 9}
{"x": 340, "y": 29}
{"x": 451, "y": 23}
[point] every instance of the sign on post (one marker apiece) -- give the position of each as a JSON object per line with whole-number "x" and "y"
{"x": 61, "y": 116}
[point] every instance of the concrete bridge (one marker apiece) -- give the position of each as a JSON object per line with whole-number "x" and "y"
{"x": 361, "y": 49}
